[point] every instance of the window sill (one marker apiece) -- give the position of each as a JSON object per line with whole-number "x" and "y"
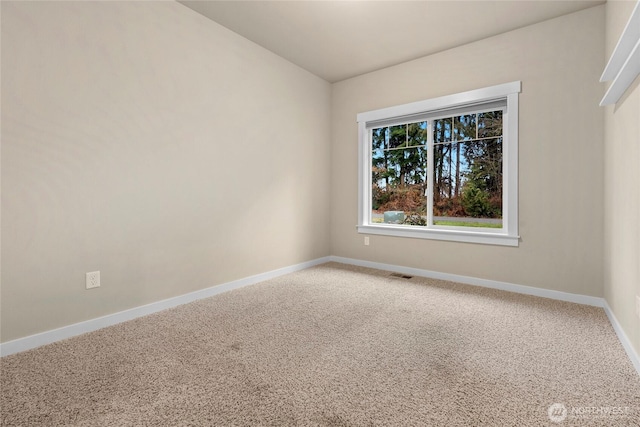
{"x": 487, "y": 238}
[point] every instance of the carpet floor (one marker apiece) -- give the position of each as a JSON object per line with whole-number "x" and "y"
{"x": 335, "y": 345}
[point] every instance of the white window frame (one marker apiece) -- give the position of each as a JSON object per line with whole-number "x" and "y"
{"x": 508, "y": 234}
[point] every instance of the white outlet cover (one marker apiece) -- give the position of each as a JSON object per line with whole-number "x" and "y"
{"x": 93, "y": 280}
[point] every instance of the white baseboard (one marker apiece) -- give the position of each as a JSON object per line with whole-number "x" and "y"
{"x": 624, "y": 340}
{"x": 505, "y": 286}
{"x": 48, "y": 337}
{"x": 485, "y": 283}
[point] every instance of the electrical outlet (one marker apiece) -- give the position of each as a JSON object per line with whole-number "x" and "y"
{"x": 366, "y": 240}
{"x": 638, "y": 306}
{"x": 93, "y": 280}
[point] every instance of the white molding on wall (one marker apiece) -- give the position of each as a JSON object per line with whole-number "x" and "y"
{"x": 624, "y": 340}
{"x": 447, "y": 101}
{"x": 510, "y": 287}
{"x": 48, "y": 337}
{"x": 485, "y": 283}
{"x": 624, "y": 65}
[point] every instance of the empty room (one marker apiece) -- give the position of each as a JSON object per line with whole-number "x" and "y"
{"x": 320, "y": 213}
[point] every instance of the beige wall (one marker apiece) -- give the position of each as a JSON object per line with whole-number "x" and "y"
{"x": 128, "y": 134}
{"x": 622, "y": 191}
{"x": 561, "y": 129}
{"x": 145, "y": 141}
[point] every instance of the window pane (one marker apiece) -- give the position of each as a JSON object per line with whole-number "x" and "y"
{"x": 442, "y": 130}
{"x": 464, "y": 127}
{"x": 378, "y": 141}
{"x": 468, "y": 184}
{"x": 449, "y": 168}
{"x": 490, "y": 124}
{"x": 397, "y": 136}
{"x": 417, "y": 133}
{"x": 399, "y": 174}
{"x": 468, "y": 174}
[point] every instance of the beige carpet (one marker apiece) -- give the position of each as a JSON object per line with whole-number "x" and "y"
{"x": 335, "y": 346}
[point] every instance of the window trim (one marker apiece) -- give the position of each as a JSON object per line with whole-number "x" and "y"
{"x": 508, "y": 234}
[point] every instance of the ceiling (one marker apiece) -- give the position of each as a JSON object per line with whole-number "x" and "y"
{"x": 340, "y": 39}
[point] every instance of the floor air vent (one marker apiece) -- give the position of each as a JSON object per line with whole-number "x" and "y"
{"x": 400, "y": 276}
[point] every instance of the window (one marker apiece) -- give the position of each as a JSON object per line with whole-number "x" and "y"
{"x": 444, "y": 168}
